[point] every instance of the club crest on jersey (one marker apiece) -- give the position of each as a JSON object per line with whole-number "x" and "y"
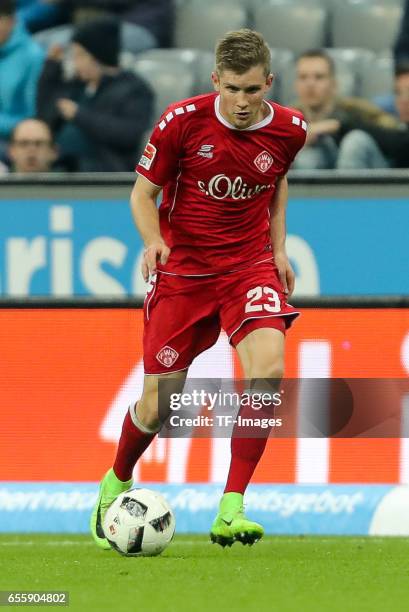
{"x": 148, "y": 156}
{"x": 264, "y": 161}
{"x": 206, "y": 151}
{"x": 167, "y": 356}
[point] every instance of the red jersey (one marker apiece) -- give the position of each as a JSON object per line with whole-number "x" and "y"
{"x": 218, "y": 182}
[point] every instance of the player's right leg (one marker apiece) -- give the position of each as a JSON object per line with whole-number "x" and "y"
{"x": 181, "y": 321}
{"x": 140, "y": 426}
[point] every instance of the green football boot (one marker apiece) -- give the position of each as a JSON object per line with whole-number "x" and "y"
{"x": 231, "y": 524}
{"x": 109, "y": 489}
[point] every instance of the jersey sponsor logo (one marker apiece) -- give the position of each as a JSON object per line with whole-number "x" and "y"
{"x": 167, "y": 356}
{"x": 264, "y": 161}
{"x": 221, "y": 187}
{"x": 148, "y": 156}
{"x": 206, "y": 150}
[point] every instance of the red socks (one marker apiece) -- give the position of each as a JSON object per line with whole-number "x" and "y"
{"x": 246, "y": 452}
{"x": 245, "y": 455}
{"x": 132, "y": 444}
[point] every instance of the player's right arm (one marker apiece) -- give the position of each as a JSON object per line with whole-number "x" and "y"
{"x": 146, "y": 216}
{"x": 158, "y": 165}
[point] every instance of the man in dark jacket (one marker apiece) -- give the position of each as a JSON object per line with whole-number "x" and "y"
{"x": 99, "y": 116}
{"x": 329, "y": 116}
{"x": 369, "y": 146}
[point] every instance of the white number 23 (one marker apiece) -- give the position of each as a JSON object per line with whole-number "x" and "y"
{"x": 254, "y": 295}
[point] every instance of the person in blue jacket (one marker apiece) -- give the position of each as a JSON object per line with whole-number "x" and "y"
{"x": 21, "y": 62}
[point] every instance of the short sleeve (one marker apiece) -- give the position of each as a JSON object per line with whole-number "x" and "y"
{"x": 159, "y": 162}
{"x": 298, "y": 136}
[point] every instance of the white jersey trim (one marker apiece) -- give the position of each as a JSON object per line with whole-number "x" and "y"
{"x": 266, "y": 121}
{"x": 154, "y": 184}
{"x": 215, "y": 273}
{"x": 168, "y": 372}
{"x": 150, "y": 299}
{"x": 295, "y": 313}
{"x": 175, "y": 196}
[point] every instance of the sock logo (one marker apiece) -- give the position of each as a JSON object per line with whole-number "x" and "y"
{"x": 167, "y": 356}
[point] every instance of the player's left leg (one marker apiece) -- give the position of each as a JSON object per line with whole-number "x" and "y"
{"x": 261, "y": 353}
{"x": 255, "y": 314}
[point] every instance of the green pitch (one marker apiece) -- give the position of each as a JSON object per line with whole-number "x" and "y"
{"x": 304, "y": 574}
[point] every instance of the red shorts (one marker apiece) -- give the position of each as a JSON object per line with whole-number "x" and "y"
{"x": 184, "y": 315}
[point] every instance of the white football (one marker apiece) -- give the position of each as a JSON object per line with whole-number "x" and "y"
{"x": 139, "y": 523}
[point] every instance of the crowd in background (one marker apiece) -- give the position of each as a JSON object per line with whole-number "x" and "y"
{"x": 96, "y": 118}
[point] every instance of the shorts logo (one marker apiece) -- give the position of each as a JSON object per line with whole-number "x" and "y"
{"x": 263, "y": 161}
{"x": 148, "y": 156}
{"x": 167, "y": 356}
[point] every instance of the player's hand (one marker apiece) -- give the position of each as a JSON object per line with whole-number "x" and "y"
{"x": 68, "y": 108}
{"x": 56, "y": 53}
{"x": 285, "y": 272}
{"x": 321, "y": 128}
{"x": 154, "y": 252}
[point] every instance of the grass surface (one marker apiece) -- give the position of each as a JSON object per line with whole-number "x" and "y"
{"x": 279, "y": 573}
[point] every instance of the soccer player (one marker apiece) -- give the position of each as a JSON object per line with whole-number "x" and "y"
{"x": 216, "y": 246}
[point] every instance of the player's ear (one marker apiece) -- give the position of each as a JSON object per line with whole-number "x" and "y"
{"x": 269, "y": 80}
{"x": 216, "y": 81}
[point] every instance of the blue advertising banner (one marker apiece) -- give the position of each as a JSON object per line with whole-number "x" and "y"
{"x": 281, "y": 509}
{"x": 91, "y": 247}
{"x": 354, "y": 246}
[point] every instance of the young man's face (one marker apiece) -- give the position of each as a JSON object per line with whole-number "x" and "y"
{"x": 6, "y": 27}
{"x": 32, "y": 149}
{"x": 241, "y": 95}
{"x": 314, "y": 85}
{"x": 402, "y": 96}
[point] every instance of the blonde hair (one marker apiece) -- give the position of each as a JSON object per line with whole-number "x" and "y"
{"x": 241, "y": 50}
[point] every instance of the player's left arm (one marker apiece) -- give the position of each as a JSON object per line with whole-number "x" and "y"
{"x": 278, "y": 233}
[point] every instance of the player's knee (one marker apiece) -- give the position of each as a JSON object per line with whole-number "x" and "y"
{"x": 147, "y": 410}
{"x": 269, "y": 367}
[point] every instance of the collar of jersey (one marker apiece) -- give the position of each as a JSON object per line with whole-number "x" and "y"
{"x": 256, "y": 126}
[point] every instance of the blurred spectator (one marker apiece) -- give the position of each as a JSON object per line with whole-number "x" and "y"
{"x": 31, "y": 147}
{"x": 99, "y": 116}
{"x": 401, "y": 48}
{"x": 154, "y": 15}
{"x": 372, "y": 146}
{"x": 401, "y": 56}
{"x": 325, "y": 112}
{"x": 144, "y": 23}
{"x": 21, "y": 61}
{"x": 39, "y": 14}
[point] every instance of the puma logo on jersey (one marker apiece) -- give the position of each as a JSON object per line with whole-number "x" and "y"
{"x": 167, "y": 356}
{"x": 264, "y": 161}
{"x": 206, "y": 151}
